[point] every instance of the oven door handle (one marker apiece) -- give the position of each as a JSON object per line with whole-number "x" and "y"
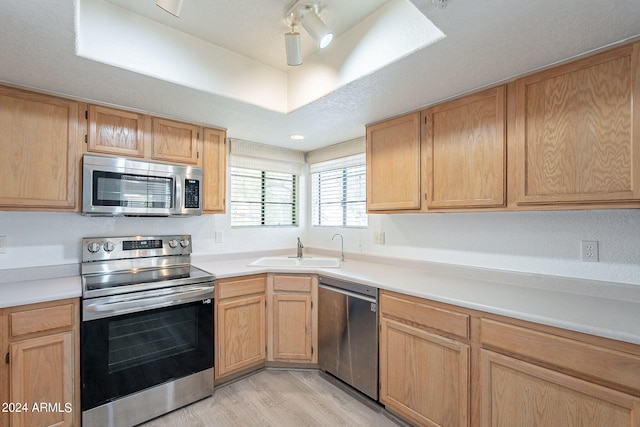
{"x": 148, "y": 303}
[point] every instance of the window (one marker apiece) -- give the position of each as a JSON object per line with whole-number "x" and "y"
{"x": 263, "y": 198}
{"x": 338, "y": 192}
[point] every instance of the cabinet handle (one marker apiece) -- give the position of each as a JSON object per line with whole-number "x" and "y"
{"x": 6, "y": 359}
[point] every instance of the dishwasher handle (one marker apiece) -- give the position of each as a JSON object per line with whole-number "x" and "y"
{"x": 348, "y": 293}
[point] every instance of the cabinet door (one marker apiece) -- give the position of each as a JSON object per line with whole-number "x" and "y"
{"x": 393, "y": 164}
{"x": 38, "y": 151}
{"x": 577, "y": 133}
{"x": 424, "y": 377}
{"x": 466, "y": 151}
{"x": 214, "y": 165}
{"x": 242, "y": 340}
{"x": 517, "y": 393}
{"x": 42, "y": 373}
{"x": 175, "y": 142}
{"x": 114, "y": 131}
{"x": 292, "y": 333}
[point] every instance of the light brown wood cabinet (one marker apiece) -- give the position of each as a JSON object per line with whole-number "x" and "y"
{"x": 537, "y": 377}
{"x": 293, "y": 318}
{"x": 39, "y": 151}
{"x": 517, "y": 393}
{"x": 214, "y": 166}
{"x": 577, "y": 133}
{"x": 240, "y": 340}
{"x": 393, "y": 164}
{"x": 466, "y": 151}
{"x": 424, "y": 373}
{"x": 447, "y": 365}
{"x": 43, "y": 353}
{"x": 564, "y": 138}
{"x": 174, "y": 141}
{"x": 123, "y": 133}
{"x": 117, "y": 132}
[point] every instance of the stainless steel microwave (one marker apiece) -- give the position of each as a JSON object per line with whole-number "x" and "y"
{"x": 116, "y": 186}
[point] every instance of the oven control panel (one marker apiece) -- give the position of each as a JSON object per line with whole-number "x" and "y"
{"x": 109, "y": 248}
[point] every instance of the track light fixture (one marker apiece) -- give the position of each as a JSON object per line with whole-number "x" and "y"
{"x": 316, "y": 29}
{"x": 292, "y": 44}
{"x": 171, "y": 6}
{"x": 305, "y": 13}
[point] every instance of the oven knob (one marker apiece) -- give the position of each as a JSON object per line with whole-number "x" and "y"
{"x": 173, "y": 243}
{"x": 108, "y": 246}
{"x": 93, "y": 247}
{"x": 184, "y": 243}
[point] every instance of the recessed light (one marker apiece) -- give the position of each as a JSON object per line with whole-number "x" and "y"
{"x": 296, "y": 136}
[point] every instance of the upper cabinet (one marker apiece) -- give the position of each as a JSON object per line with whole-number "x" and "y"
{"x": 130, "y": 134}
{"x": 39, "y": 151}
{"x": 466, "y": 151}
{"x": 393, "y": 164}
{"x": 577, "y": 136}
{"x": 114, "y": 131}
{"x": 214, "y": 165}
{"x": 563, "y": 138}
{"x": 175, "y": 142}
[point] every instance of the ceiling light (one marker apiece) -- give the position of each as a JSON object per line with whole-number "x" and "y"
{"x": 292, "y": 45}
{"x": 316, "y": 29}
{"x": 306, "y": 13}
{"x": 296, "y": 137}
{"x": 171, "y": 6}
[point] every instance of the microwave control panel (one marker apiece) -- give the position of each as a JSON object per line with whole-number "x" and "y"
{"x": 191, "y": 193}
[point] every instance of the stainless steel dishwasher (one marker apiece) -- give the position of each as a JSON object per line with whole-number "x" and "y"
{"x": 348, "y": 333}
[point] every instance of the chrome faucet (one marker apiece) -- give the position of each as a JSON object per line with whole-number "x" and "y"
{"x": 341, "y": 245}
{"x": 300, "y": 246}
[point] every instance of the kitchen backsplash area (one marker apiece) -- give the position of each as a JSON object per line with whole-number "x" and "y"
{"x": 534, "y": 242}
{"x": 543, "y": 242}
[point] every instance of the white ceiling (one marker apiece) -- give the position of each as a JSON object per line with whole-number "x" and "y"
{"x": 487, "y": 41}
{"x": 250, "y": 28}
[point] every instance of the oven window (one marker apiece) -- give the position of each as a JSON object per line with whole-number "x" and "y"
{"x": 124, "y": 354}
{"x": 151, "y": 337}
{"x": 134, "y": 191}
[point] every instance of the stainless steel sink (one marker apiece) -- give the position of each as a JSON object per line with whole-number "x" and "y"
{"x": 282, "y": 261}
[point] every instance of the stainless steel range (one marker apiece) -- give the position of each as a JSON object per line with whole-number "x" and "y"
{"x": 147, "y": 329}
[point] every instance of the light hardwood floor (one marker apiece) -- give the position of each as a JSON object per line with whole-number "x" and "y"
{"x": 277, "y": 398}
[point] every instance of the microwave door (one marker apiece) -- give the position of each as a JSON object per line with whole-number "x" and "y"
{"x": 116, "y": 193}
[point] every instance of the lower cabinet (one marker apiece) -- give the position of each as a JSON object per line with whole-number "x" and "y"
{"x": 43, "y": 356}
{"x": 293, "y": 318}
{"x": 424, "y": 376}
{"x": 240, "y": 324}
{"x": 517, "y": 393}
{"x": 537, "y": 376}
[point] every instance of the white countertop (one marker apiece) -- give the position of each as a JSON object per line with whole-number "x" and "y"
{"x": 608, "y": 310}
{"x": 592, "y": 314}
{"x": 42, "y": 290}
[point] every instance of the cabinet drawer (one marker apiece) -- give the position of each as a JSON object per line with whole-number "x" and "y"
{"x": 420, "y": 313}
{"x": 236, "y": 287}
{"x": 606, "y": 364}
{"x": 41, "y": 319}
{"x": 292, "y": 283}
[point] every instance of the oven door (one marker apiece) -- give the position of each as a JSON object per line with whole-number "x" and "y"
{"x": 129, "y": 351}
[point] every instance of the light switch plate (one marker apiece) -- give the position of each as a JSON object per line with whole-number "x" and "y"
{"x": 3, "y": 244}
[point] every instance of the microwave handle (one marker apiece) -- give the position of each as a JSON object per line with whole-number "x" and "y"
{"x": 177, "y": 193}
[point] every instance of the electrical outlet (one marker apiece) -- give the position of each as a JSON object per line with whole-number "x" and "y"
{"x": 219, "y": 237}
{"x": 379, "y": 238}
{"x": 3, "y": 244}
{"x": 590, "y": 250}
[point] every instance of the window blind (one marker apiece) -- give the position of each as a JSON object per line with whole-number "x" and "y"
{"x": 264, "y": 184}
{"x": 339, "y": 192}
